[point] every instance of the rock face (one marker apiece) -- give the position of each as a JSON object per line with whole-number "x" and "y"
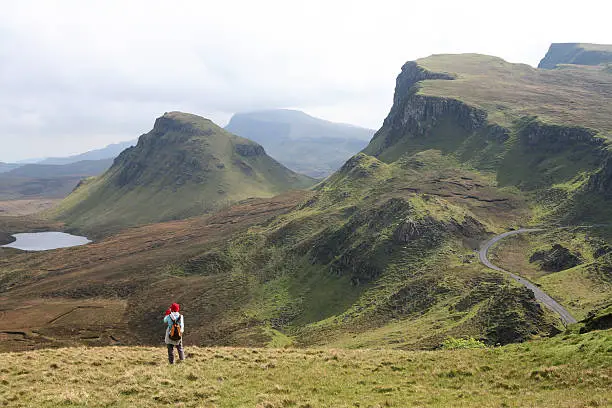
{"x": 601, "y": 181}
{"x": 413, "y": 114}
{"x": 556, "y": 138}
{"x": 577, "y": 54}
{"x": 556, "y": 259}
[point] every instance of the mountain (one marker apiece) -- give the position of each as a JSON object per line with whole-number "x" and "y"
{"x": 4, "y": 167}
{"x": 109, "y": 152}
{"x": 303, "y": 143}
{"x": 544, "y": 132}
{"x": 83, "y": 168}
{"x": 185, "y": 166}
{"x": 383, "y": 253}
{"x": 47, "y": 180}
{"x": 577, "y": 54}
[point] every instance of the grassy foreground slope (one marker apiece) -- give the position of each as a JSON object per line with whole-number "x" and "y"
{"x": 566, "y": 371}
{"x": 184, "y": 167}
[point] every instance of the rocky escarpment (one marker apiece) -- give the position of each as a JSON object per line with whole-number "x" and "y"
{"x": 553, "y": 153}
{"x": 250, "y": 150}
{"x": 533, "y": 133}
{"x": 577, "y": 54}
{"x": 414, "y": 114}
{"x": 171, "y": 149}
{"x": 601, "y": 181}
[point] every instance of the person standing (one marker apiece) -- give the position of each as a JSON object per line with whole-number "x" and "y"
{"x": 175, "y": 326}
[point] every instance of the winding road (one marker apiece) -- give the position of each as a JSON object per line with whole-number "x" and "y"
{"x": 540, "y": 295}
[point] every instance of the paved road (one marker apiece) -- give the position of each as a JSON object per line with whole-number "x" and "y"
{"x": 549, "y": 302}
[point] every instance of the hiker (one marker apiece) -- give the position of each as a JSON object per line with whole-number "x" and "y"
{"x": 174, "y": 332}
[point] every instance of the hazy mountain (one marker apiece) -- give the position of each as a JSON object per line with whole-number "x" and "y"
{"x": 109, "y": 152}
{"x": 82, "y": 168}
{"x": 48, "y": 180}
{"x": 301, "y": 142}
{"x": 4, "y": 167}
{"x": 576, "y": 53}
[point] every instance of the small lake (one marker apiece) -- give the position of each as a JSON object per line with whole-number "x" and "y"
{"x": 43, "y": 241}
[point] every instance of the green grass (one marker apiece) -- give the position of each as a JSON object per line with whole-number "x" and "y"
{"x": 580, "y": 289}
{"x": 566, "y": 371}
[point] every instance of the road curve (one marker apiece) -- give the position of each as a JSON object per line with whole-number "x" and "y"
{"x": 549, "y": 302}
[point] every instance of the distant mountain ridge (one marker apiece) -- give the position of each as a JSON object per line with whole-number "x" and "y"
{"x": 4, "y": 167}
{"x": 109, "y": 152}
{"x": 83, "y": 168}
{"x": 303, "y": 143}
{"x": 48, "y": 180}
{"x": 185, "y": 166}
{"x": 576, "y": 54}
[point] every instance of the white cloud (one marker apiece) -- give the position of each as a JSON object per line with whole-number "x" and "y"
{"x": 79, "y": 74}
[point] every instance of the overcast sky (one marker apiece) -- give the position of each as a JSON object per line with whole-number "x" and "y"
{"x": 77, "y": 75}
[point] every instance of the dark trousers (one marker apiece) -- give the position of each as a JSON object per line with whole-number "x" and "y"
{"x": 179, "y": 348}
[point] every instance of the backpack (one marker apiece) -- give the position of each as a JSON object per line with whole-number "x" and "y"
{"x": 175, "y": 329}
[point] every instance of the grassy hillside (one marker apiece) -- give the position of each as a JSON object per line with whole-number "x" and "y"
{"x": 185, "y": 166}
{"x": 577, "y": 273}
{"x": 567, "y": 371}
{"x": 301, "y": 142}
{"x": 367, "y": 259}
{"x": 542, "y": 134}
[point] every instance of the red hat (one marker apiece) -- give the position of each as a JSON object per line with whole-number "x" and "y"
{"x": 175, "y": 307}
{"x": 167, "y": 311}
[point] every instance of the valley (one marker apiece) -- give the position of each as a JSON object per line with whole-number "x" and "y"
{"x": 461, "y": 222}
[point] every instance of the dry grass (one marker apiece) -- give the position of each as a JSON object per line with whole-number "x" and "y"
{"x": 569, "y": 371}
{"x": 26, "y": 207}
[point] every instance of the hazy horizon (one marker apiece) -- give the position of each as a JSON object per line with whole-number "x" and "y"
{"x": 78, "y": 76}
